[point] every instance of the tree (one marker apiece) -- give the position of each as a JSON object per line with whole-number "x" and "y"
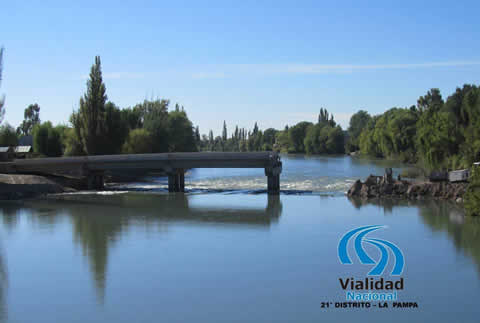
{"x": 269, "y": 139}
{"x": 432, "y": 101}
{"x": 180, "y": 130}
{"x": 91, "y": 114}
{"x": 2, "y": 98}
{"x": 133, "y": 117}
{"x": 224, "y": 131}
{"x": 31, "y": 118}
{"x": 358, "y": 122}
{"x": 8, "y": 136}
{"x": 324, "y": 139}
{"x": 47, "y": 140}
{"x": 335, "y": 143}
{"x": 297, "y": 135}
{"x": 197, "y": 135}
{"x": 139, "y": 141}
{"x": 156, "y": 123}
{"x": 73, "y": 143}
{"x": 115, "y": 131}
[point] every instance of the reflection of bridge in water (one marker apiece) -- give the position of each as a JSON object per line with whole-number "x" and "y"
{"x": 99, "y": 221}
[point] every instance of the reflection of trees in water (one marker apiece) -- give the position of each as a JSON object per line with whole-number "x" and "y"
{"x": 386, "y": 204}
{"x": 450, "y": 218}
{"x": 3, "y": 288}
{"x": 99, "y": 221}
{"x": 440, "y": 216}
{"x": 10, "y": 215}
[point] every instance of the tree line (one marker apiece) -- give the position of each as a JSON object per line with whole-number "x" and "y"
{"x": 322, "y": 137}
{"x": 435, "y": 133}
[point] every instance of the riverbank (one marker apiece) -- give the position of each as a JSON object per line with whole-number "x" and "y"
{"x": 377, "y": 186}
{"x": 15, "y": 187}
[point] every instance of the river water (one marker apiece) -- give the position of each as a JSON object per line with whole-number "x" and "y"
{"x": 226, "y": 252}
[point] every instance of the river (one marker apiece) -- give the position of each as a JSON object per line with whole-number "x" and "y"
{"x": 227, "y": 252}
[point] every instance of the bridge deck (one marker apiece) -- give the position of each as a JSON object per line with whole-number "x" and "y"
{"x": 172, "y": 163}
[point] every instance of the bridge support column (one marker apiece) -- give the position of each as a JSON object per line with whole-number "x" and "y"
{"x": 95, "y": 181}
{"x": 273, "y": 179}
{"x": 176, "y": 181}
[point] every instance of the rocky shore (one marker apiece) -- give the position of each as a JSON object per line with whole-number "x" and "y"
{"x": 381, "y": 186}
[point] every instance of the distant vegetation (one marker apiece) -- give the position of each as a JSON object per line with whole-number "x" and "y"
{"x": 323, "y": 137}
{"x": 436, "y": 134}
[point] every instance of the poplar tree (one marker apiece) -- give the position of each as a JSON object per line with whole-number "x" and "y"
{"x": 224, "y": 132}
{"x": 92, "y": 112}
{"x": 2, "y": 98}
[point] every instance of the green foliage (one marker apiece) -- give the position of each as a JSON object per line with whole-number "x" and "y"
{"x": 155, "y": 115}
{"x": 297, "y": 135}
{"x": 63, "y": 132}
{"x": 8, "y": 136}
{"x": 116, "y": 130}
{"x": 324, "y": 118}
{"x": 90, "y": 119}
{"x": 436, "y": 134}
{"x": 180, "y": 132}
{"x": 435, "y": 140}
{"x": 324, "y": 139}
{"x": 139, "y": 141}
{"x": 72, "y": 143}
{"x": 47, "y": 140}
{"x": 358, "y": 122}
{"x": 390, "y": 135}
{"x": 472, "y": 196}
{"x": 133, "y": 117}
{"x": 2, "y": 98}
{"x": 224, "y": 131}
{"x": 31, "y": 118}
{"x": 432, "y": 101}
{"x": 366, "y": 142}
{"x": 282, "y": 141}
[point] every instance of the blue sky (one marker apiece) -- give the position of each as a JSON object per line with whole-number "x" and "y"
{"x": 243, "y": 61}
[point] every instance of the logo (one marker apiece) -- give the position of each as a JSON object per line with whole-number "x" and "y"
{"x": 383, "y": 246}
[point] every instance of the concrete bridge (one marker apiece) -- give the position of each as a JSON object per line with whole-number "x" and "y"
{"x": 93, "y": 168}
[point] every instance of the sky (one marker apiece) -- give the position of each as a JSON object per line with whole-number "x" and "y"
{"x": 273, "y": 62}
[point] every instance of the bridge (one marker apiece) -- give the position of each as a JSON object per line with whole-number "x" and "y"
{"x": 94, "y": 168}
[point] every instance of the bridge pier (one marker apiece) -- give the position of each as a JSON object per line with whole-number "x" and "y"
{"x": 176, "y": 180}
{"x": 95, "y": 181}
{"x": 273, "y": 179}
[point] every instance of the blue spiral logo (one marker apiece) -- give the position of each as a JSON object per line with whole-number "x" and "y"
{"x": 364, "y": 258}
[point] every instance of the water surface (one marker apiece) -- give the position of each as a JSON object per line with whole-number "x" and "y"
{"x": 149, "y": 256}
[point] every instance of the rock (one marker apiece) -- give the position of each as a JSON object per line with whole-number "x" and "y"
{"x": 355, "y": 189}
{"x": 376, "y": 186}
{"x": 371, "y": 180}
